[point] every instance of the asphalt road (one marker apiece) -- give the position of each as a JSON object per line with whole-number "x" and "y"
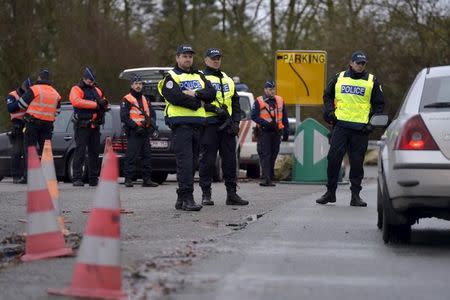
{"x": 281, "y": 246}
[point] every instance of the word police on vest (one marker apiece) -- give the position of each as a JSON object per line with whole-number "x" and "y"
{"x": 190, "y": 85}
{"x": 218, "y": 87}
{"x": 350, "y": 89}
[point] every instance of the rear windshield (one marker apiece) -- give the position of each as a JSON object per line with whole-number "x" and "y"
{"x": 435, "y": 90}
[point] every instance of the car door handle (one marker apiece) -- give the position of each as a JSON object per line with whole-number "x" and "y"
{"x": 67, "y": 138}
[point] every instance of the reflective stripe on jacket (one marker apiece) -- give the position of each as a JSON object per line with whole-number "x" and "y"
{"x": 225, "y": 83}
{"x": 135, "y": 113}
{"x": 21, "y": 112}
{"x": 352, "y": 99}
{"x": 186, "y": 81}
{"x": 43, "y": 106}
{"x": 271, "y": 114}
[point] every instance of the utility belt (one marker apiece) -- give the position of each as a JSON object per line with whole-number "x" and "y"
{"x": 85, "y": 122}
{"x": 29, "y": 119}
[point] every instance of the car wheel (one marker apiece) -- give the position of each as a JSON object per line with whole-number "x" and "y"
{"x": 386, "y": 228}
{"x": 69, "y": 169}
{"x": 218, "y": 174}
{"x": 253, "y": 171}
{"x": 159, "y": 177}
{"x": 379, "y": 207}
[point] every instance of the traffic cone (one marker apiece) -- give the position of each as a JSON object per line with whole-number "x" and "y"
{"x": 98, "y": 272}
{"x": 48, "y": 168}
{"x": 44, "y": 239}
{"x": 108, "y": 147}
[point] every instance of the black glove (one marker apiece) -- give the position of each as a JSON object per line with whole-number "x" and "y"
{"x": 221, "y": 113}
{"x": 368, "y": 128}
{"x": 140, "y": 131}
{"x": 210, "y": 107}
{"x": 101, "y": 104}
{"x": 330, "y": 117}
{"x": 285, "y": 136}
{"x": 234, "y": 129}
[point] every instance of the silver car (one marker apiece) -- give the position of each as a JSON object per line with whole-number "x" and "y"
{"x": 414, "y": 157}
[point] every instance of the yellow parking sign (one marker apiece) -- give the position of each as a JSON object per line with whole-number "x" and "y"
{"x": 300, "y": 76}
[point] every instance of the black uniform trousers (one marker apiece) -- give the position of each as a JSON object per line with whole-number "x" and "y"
{"x": 186, "y": 145}
{"x": 16, "y": 138}
{"x": 35, "y": 134}
{"x": 138, "y": 146}
{"x": 354, "y": 142}
{"x": 268, "y": 147}
{"x": 213, "y": 140}
{"x": 86, "y": 137}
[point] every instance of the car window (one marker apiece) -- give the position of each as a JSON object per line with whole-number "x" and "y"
{"x": 244, "y": 102}
{"x": 62, "y": 120}
{"x": 160, "y": 121}
{"x": 435, "y": 90}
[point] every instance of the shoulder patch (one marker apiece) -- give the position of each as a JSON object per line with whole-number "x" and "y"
{"x": 9, "y": 101}
{"x": 169, "y": 84}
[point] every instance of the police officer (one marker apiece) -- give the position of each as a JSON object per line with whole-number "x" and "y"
{"x": 89, "y": 108}
{"x": 16, "y": 136}
{"x": 138, "y": 119}
{"x": 350, "y": 98}
{"x": 219, "y": 134}
{"x": 269, "y": 114}
{"x": 185, "y": 90}
{"x": 41, "y": 102}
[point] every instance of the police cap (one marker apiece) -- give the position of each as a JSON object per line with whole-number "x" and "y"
{"x": 185, "y": 48}
{"x": 270, "y": 84}
{"x": 213, "y": 52}
{"x": 359, "y": 56}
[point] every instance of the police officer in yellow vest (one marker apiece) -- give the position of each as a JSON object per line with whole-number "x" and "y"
{"x": 185, "y": 91}
{"x": 138, "y": 118}
{"x": 350, "y": 99}
{"x": 222, "y": 117}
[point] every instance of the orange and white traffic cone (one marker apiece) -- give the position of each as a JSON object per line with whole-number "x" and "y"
{"x": 44, "y": 239}
{"x": 98, "y": 273}
{"x": 108, "y": 147}
{"x": 48, "y": 168}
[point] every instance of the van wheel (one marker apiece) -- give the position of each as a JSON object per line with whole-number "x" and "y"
{"x": 253, "y": 171}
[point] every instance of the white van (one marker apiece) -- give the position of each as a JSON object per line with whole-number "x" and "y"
{"x": 248, "y": 156}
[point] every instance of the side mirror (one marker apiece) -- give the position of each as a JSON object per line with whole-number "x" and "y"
{"x": 379, "y": 120}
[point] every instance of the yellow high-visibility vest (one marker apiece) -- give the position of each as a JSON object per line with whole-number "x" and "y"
{"x": 352, "y": 99}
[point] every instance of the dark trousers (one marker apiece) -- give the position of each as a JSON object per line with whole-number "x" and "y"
{"x": 16, "y": 139}
{"x": 268, "y": 147}
{"x": 89, "y": 138}
{"x": 36, "y": 134}
{"x": 354, "y": 142}
{"x": 213, "y": 140}
{"x": 138, "y": 148}
{"x": 186, "y": 142}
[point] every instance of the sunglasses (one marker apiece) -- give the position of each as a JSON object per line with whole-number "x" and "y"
{"x": 362, "y": 63}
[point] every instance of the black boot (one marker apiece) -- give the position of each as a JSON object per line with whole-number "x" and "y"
{"x": 328, "y": 197}
{"x": 93, "y": 181}
{"x": 357, "y": 201}
{"x": 179, "y": 203}
{"x": 149, "y": 183}
{"x": 189, "y": 203}
{"x": 267, "y": 182}
{"x": 233, "y": 198}
{"x": 128, "y": 182}
{"x": 206, "y": 197}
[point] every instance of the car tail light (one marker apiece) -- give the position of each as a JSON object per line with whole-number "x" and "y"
{"x": 119, "y": 143}
{"x": 415, "y": 136}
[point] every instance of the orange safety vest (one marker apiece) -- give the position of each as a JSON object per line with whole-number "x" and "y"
{"x": 18, "y": 114}
{"x": 269, "y": 114}
{"x": 135, "y": 113}
{"x": 43, "y": 106}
